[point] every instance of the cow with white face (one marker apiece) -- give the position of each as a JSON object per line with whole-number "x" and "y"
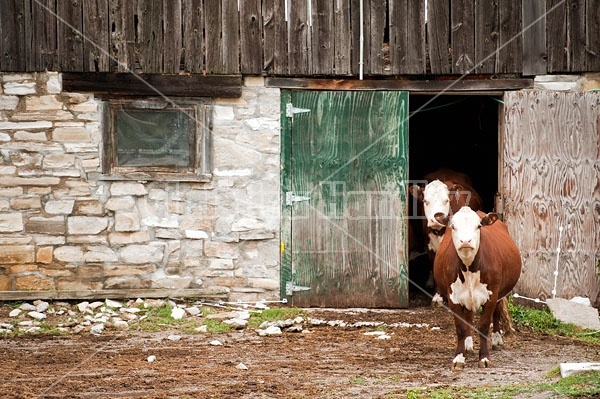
{"x": 476, "y": 266}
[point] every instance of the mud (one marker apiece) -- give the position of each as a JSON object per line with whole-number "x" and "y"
{"x": 323, "y": 362}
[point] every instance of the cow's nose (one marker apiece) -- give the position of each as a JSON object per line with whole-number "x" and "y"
{"x": 466, "y": 243}
{"x": 440, "y": 217}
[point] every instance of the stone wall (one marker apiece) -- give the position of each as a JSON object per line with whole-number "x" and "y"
{"x": 61, "y": 229}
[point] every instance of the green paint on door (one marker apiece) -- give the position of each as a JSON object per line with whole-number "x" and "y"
{"x": 343, "y": 202}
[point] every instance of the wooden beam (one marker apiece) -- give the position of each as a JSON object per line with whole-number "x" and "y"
{"x": 113, "y": 294}
{"x": 431, "y": 86}
{"x": 128, "y": 84}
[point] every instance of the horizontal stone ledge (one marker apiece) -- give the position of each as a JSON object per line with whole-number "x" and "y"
{"x": 200, "y": 293}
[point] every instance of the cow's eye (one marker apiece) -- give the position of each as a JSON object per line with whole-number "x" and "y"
{"x": 446, "y": 201}
{"x": 426, "y": 202}
{"x": 479, "y": 226}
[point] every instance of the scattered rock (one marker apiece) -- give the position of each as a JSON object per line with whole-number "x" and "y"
{"x": 241, "y": 366}
{"x": 95, "y": 305}
{"x": 193, "y": 311}
{"x": 151, "y": 358}
{"x": 113, "y": 304}
{"x": 97, "y": 329}
{"x": 15, "y": 312}
{"x": 177, "y": 313}
{"x": 121, "y": 325}
{"x": 27, "y": 307}
{"x": 271, "y": 330}
{"x": 82, "y": 306}
{"x": 216, "y": 342}
{"x": 236, "y": 323}
{"x": 41, "y": 306}
{"x": 36, "y": 315}
{"x": 174, "y": 337}
{"x": 201, "y": 329}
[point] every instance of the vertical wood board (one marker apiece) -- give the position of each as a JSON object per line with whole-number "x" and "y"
{"x": 551, "y": 179}
{"x": 172, "y": 29}
{"x": 69, "y": 32}
{"x": 251, "y": 37}
{"x": 534, "y": 38}
{"x": 96, "y": 36}
{"x": 347, "y": 242}
{"x": 462, "y": 36}
{"x": 438, "y": 36}
{"x": 486, "y": 35}
{"x": 122, "y": 35}
{"x": 193, "y": 36}
{"x": 510, "y": 54}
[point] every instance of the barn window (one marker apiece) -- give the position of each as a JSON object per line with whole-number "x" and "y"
{"x": 156, "y": 140}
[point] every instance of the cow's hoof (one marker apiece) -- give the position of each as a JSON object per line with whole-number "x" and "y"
{"x": 459, "y": 362}
{"x": 437, "y": 300}
{"x": 484, "y": 363}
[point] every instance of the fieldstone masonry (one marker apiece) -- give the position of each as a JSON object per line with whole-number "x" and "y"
{"x": 62, "y": 228}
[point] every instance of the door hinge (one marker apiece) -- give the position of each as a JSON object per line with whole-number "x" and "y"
{"x": 290, "y": 110}
{"x": 290, "y": 288}
{"x": 291, "y": 198}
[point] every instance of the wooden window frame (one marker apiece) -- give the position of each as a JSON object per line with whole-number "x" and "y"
{"x": 199, "y": 168}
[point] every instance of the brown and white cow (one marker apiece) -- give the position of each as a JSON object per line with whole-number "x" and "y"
{"x": 476, "y": 265}
{"x": 440, "y": 199}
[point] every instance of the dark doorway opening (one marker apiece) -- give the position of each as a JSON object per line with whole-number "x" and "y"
{"x": 456, "y": 132}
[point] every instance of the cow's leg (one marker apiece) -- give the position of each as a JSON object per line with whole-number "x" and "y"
{"x": 501, "y": 319}
{"x": 463, "y": 320}
{"x": 483, "y": 330}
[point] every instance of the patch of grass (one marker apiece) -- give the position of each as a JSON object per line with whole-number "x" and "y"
{"x": 257, "y": 318}
{"x": 544, "y": 322}
{"x": 159, "y": 318}
{"x": 357, "y": 381}
{"x": 582, "y": 385}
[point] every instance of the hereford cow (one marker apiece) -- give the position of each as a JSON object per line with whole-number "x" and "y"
{"x": 441, "y": 199}
{"x": 476, "y": 265}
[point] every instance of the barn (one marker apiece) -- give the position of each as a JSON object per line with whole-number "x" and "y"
{"x": 262, "y": 149}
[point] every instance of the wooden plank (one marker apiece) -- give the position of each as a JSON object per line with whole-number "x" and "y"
{"x": 231, "y": 37}
{"x": 122, "y": 36}
{"x": 398, "y": 28}
{"x": 150, "y": 40}
{"x": 415, "y": 54}
{"x": 126, "y": 84}
{"x": 69, "y": 31}
{"x": 550, "y": 182}
{"x": 172, "y": 45}
{"x": 342, "y": 37}
{"x": 96, "y": 36}
{"x": 377, "y": 49}
{"x": 213, "y": 27}
{"x": 275, "y": 37}
{"x": 576, "y": 33}
{"x": 251, "y": 37}
{"x": 323, "y": 38}
{"x": 486, "y": 36}
{"x": 300, "y": 56}
{"x": 193, "y": 36}
{"x": 434, "y": 86}
{"x": 209, "y": 294}
{"x": 592, "y": 40}
{"x": 44, "y": 57}
{"x": 510, "y": 55}
{"x": 438, "y": 36}
{"x": 13, "y": 36}
{"x": 355, "y": 31}
{"x": 534, "y": 38}
{"x": 462, "y": 36}
{"x": 556, "y": 38}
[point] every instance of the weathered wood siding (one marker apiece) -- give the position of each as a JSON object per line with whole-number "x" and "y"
{"x": 301, "y": 37}
{"x": 551, "y": 179}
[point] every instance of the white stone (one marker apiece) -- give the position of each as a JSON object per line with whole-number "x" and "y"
{"x": 8, "y": 103}
{"x": 36, "y": 315}
{"x": 223, "y": 113}
{"x": 97, "y": 329}
{"x": 177, "y": 313}
{"x": 69, "y": 254}
{"x": 15, "y": 312}
{"x": 19, "y": 88}
{"x": 151, "y": 253}
{"x": 4, "y": 137}
{"x": 72, "y": 134}
{"x": 167, "y": 222}
{"x": 113, "y": 304}
{"x": 82, "y": 306}
{"x": 567, "y": 369}
{"x": 121, "y": 325}
{"x": 95, "y": 305}
{"x": 25, "y": 125}
{"x": 216, "y": 342}
{"x": 232, "y": 172}
{"x": 11, "y": 222}
{"x": 241, "y": 366}
{"x": 86, "y": 224}
{"x": 127, "y": 221}
{"x": 202, "y": 329}
{"x": 127, "y": 188}
{"x": 174, "y": 337}
{"x": 574, "y": 313}
{"x": 151, "y": 358}
{"x": 41, "y": 306}
{"x": 26, "y": 307}
{"x": 59, "y": 161}
{"x": 59, "y": 206}
{"x": 54, "y": 83}
{"x": 120, "y": 203}
{"x": 236, "y": 323}
{"x": 271, "y": 330}
{"x": 42, "y": 103}
{"x": 196, "y": 234}
{"x": 29, "y": 136}
{"x": 193, "y": 311}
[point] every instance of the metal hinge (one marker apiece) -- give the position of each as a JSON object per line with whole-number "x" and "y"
{"x": 291, "y": 198}
{"x": 290, "y": 288}
{"x": 290, "y": 110}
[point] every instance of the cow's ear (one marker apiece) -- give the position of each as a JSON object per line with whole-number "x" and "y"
{"x": 416, "y": 191}
{"x": 489, "y": 219}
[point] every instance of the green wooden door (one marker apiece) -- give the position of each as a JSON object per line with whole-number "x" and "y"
{"x": 344, "y": 155}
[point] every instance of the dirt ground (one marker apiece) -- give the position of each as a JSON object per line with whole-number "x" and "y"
{"x": 325, "y": 362}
